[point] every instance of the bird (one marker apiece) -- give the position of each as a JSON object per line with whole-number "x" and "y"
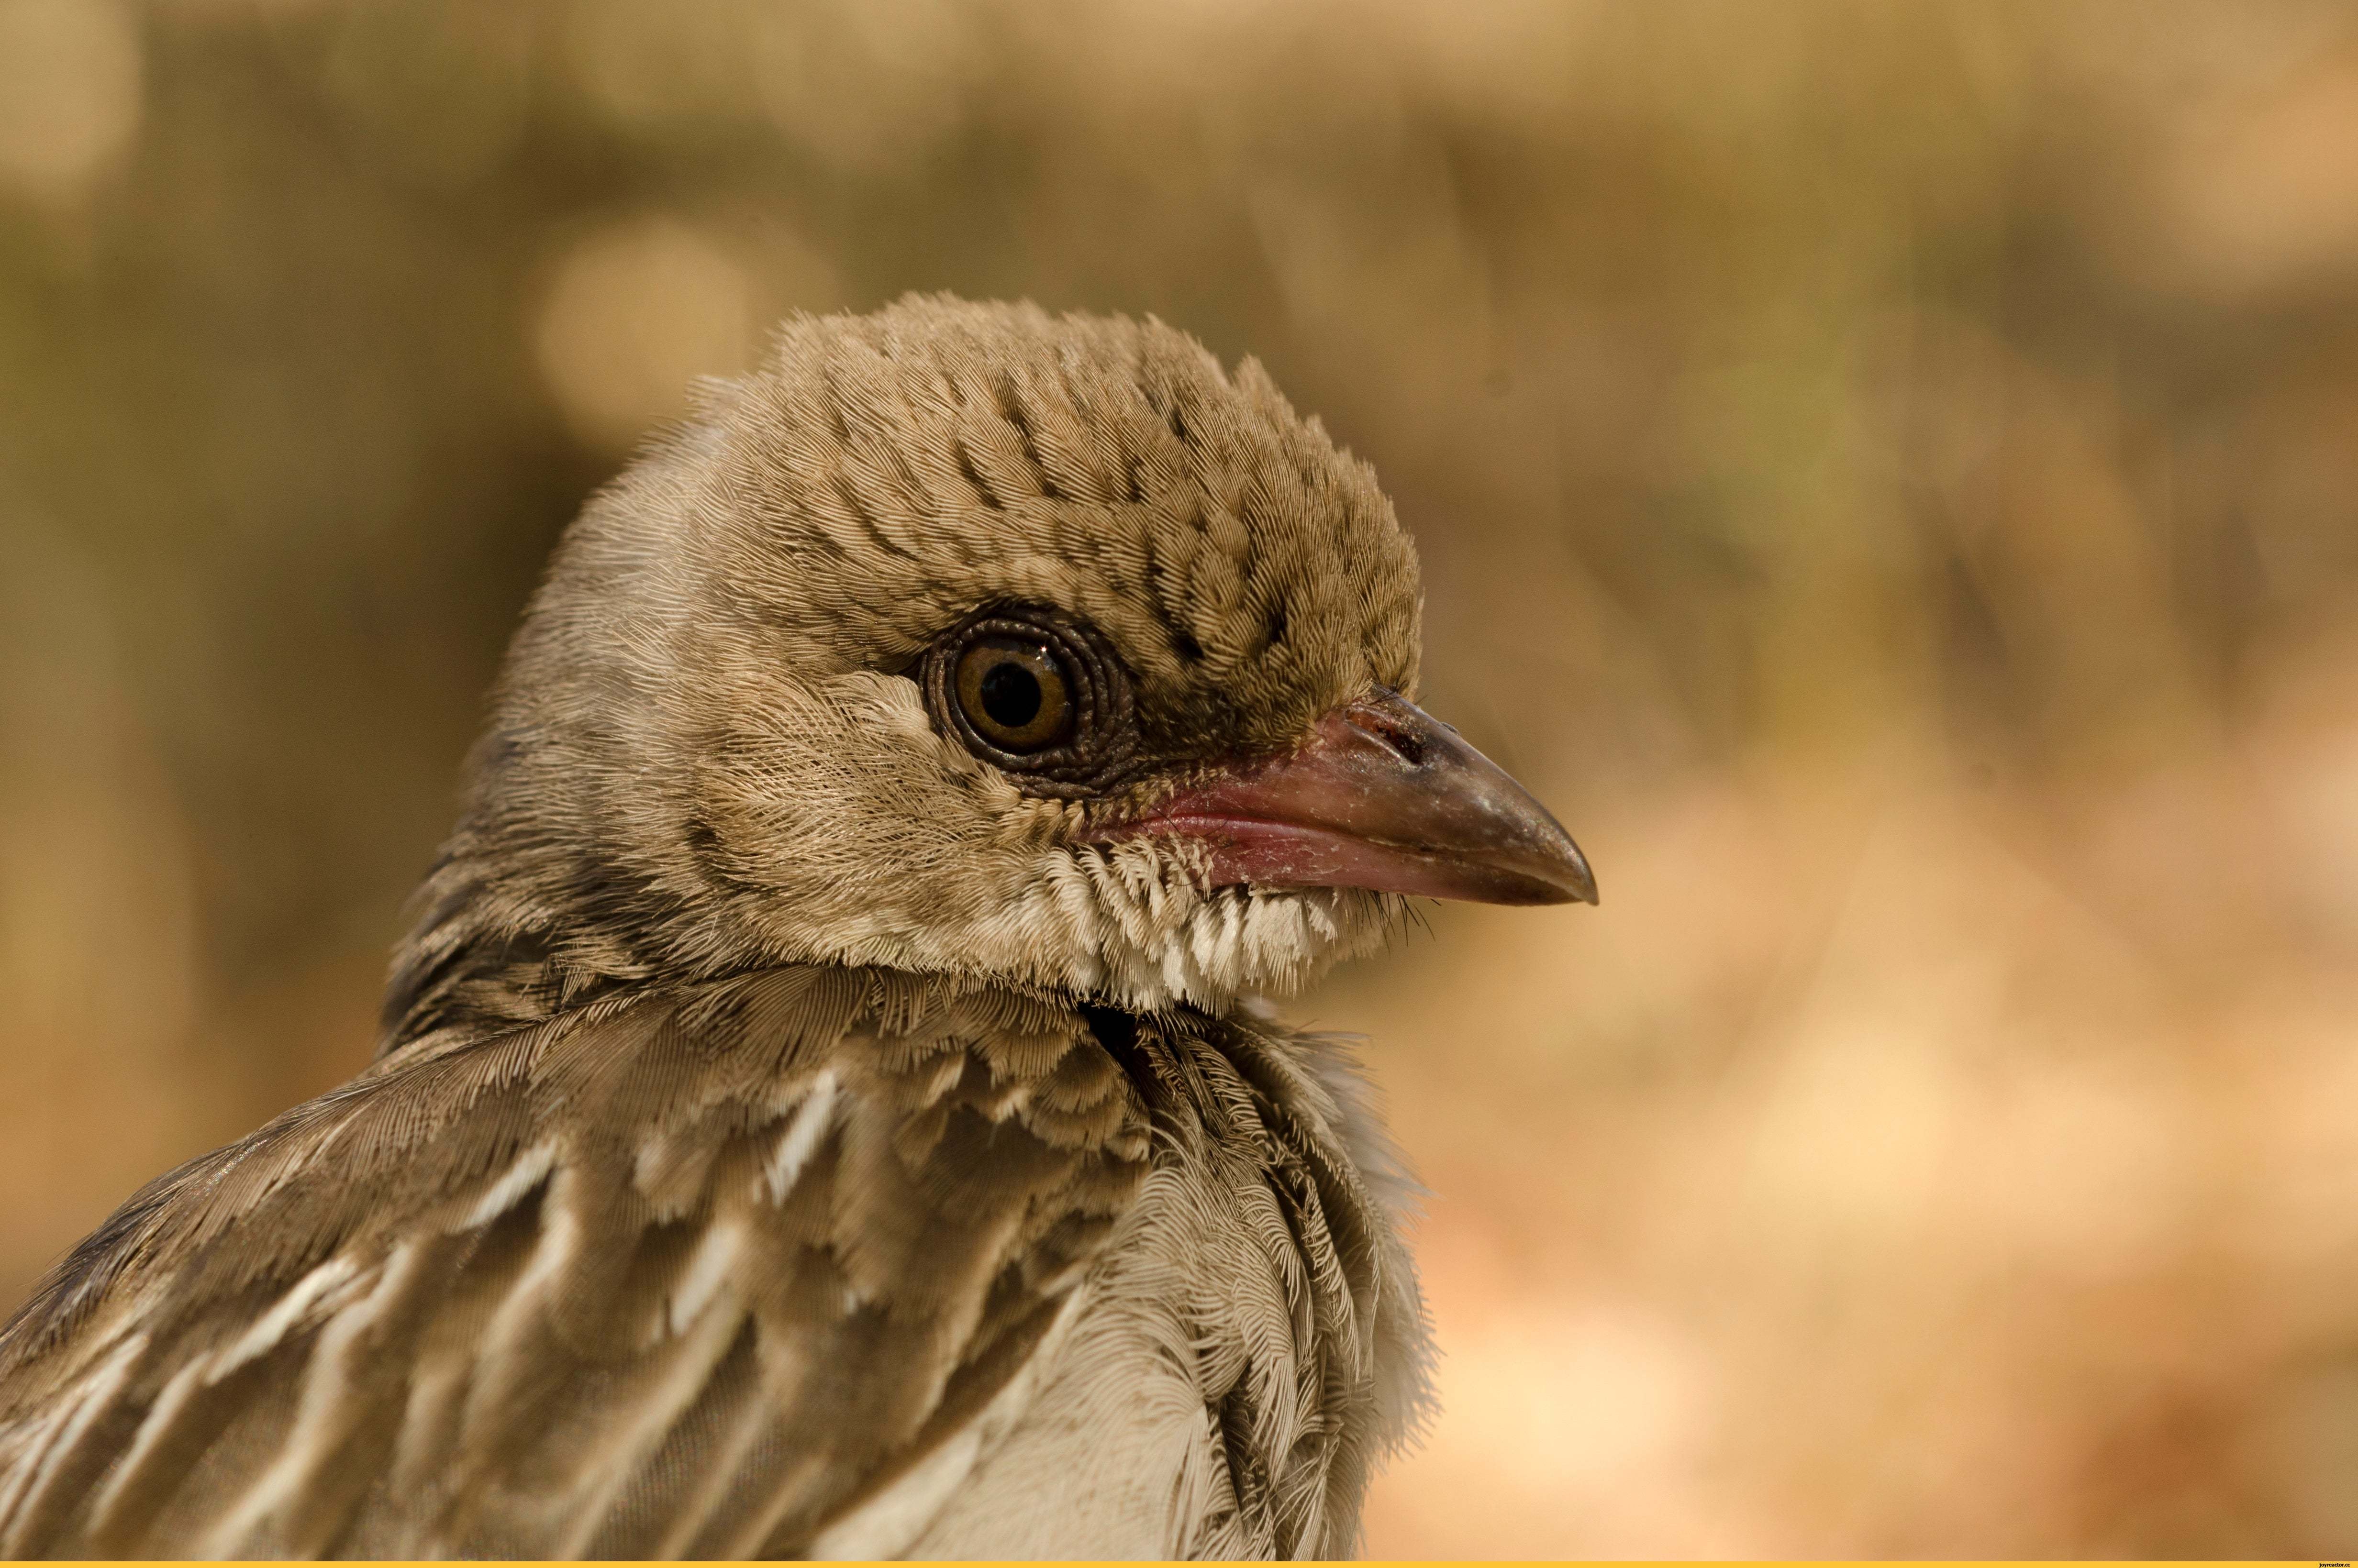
{"x": 829, "y": 1101}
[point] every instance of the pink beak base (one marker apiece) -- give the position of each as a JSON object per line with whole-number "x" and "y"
{"x": 1387, "y": 797}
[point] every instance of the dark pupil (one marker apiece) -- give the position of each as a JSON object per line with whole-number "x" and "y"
{"x": 1011, "y": 694}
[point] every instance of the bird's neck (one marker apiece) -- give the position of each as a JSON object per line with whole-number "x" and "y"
{"x": 503, "y": 942}
{"x": 485, "y": 957}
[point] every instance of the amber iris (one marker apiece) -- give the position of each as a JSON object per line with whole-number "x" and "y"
{"x": 1014, "y": 692}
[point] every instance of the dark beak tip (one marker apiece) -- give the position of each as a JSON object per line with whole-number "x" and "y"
{"x": 1550, "y": 872}
{"x": 1535, "y": 894}
{"x": 1557, "y": 864}
{"x": 1579, "y": 888}
{"x": 1584, "y": 887}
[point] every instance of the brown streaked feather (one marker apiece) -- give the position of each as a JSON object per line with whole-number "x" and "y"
{"x": 685, "y": 1277}
{"x": 810, "y": 1262}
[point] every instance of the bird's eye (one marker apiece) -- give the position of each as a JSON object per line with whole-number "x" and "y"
{"x": 1014, "y": 692}
{"x": 1037, "y": 693}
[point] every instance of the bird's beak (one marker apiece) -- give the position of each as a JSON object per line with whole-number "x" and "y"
{"x": 1384, "y": 797}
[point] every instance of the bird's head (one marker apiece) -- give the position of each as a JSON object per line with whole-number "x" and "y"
{"x": 965, "y": 638}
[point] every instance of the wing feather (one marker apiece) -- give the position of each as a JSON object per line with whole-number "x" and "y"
{"x": 703, "y": 1273}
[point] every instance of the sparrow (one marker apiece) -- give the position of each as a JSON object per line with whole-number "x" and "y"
{"x": 825, "y": 1104}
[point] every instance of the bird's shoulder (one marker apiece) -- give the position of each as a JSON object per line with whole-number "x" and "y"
{"x": 695, "y": 1272}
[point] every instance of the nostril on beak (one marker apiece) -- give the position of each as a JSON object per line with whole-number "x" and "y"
{"x": 1397, "y": 739}
{"x": 1409, "y": 748}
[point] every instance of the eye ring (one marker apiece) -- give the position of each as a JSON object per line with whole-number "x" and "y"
{"x": 1036, "y": 693}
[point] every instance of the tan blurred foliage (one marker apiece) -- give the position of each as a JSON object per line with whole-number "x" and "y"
{"x": 1888, "y": 474}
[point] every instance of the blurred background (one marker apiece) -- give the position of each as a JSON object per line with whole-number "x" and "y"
{"x": 1887, "y": 474}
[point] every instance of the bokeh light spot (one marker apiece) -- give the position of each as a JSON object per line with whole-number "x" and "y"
{"x": 635, "y": 313}
{"x": 69, "y": 86}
